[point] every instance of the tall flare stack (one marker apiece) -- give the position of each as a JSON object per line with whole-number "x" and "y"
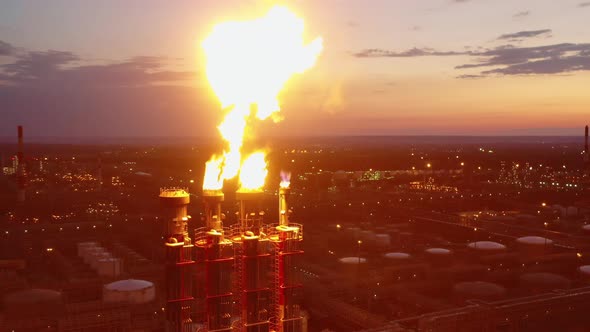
{"x": 179, "y": 259}
{"x": 586, "y": 152}
{"x": 20, "y": 171}
{"x": 288, "y": 288}
{"x": 218, "y": 258}
{"x": 253, "y": 264}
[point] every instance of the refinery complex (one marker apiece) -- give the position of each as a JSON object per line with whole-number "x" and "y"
{"x": 402, "y": 234}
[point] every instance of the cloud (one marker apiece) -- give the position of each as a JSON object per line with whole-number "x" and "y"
{"x": 57, "y": 93}
{"x": 522, "y": 14}
{"x": 584, "y": 4}
{"x": 413, "y": 52}
{"x": 525, "y": 34}
{"x": 65, "y": 68}
{"x": 469, "y": 76}
{"x": 6, "y": 48}
{"x": 549, "y": 59}
{"x": 506, "y": 59}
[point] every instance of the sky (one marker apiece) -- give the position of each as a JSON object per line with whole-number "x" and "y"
{"x": 72, "y": 68}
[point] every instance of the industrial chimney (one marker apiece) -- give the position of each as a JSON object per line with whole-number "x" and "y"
{"x": 20, "y": 170}
{"x": 586, "y": 152}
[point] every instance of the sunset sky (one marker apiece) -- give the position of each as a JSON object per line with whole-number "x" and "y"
{"x": 389, "y": 67}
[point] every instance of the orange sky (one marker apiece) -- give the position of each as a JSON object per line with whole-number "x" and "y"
{"x": 525, "y": 82}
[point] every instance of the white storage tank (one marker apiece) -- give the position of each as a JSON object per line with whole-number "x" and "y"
{"x": 83, "y": 245}
{"x": 353, "y": 267}
{"x": 33, "y": 303}
{"x": 439, "y": 256}
{"x": 585, "y": 271}
{"x": 132, "y": 291}
{"x": 486, "y": 246}
{"x": 542, "y": 282}
{"x": 352, "y": 260}
{"x": 96, "y": 257}
{"x": 534, "y": 245}
{"x": 90, "y": 252}
{"x": 109, "y": 267}
{"x": 397, "y": 256}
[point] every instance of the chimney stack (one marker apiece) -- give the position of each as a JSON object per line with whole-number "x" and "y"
{"x": 586, "y": 145}
{"x": 20, "y": 171}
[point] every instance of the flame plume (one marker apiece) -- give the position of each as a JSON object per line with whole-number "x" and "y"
{"x": 247, "y": 65}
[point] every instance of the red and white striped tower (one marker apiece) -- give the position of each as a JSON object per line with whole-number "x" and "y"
{"x": 179, "y": 260}
{"x": 219, "y": 261}
{"x": 253, "y": 265}
{"x": 288, "y": 288}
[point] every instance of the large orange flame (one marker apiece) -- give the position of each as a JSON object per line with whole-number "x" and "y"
{"x": 247, "y": 65}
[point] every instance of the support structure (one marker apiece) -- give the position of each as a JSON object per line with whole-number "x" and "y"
{"x": 179, "y": 260}
{"x": 217, "y": 257}
{"x": 248, "y": 270}
{"x": 288, "y": 287}
{"x": 254, "y": 265}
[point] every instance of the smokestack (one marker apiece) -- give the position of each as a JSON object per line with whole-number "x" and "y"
{"x": 20, "y": 175}
{"x": 99, "y": 175}
{"x": 586, "y": 144}
{"x": 213, "y": 216}
{"x": 283, "y": 206}
{"x": 586, "y": 152}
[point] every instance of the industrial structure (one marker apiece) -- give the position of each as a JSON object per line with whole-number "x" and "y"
{"x": 179, "y": 259}
{"x": 246, "y": 272}
{"x": 20, "y": 168}
{"x": 586, "y": 152}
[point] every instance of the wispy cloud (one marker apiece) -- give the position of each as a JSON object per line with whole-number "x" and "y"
{"x": 521, "y": 14}
{"x": 6, "y": 48}
{"x": 516, "y": 36}
{"x": 413, "y": 52}
{"x": 550, "y": 59}
{"x": 584, "y": 4}
{"x": 65, "y": 68}
{"x": 60, "y": 93}
{"x": 506, "y": 59}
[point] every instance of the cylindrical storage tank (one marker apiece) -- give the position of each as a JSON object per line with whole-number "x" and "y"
{"x": 486, "y": 247}
{"x": 353, "y": 267}
{"x": 90, "y": 252}
{"x": 109, "y": 267}
{"x": 584, "y": 272}
{"x": 83, "y": 245}
{"x": 382, "y": 240}
{"x": 132, "y": 291}
{"x": 95, "y": 258}
{"x": 537, "y": 283}
{"x": 85, "y": 249}
{"x": 439, "y": 256}
{"x": 33, "y": 303}
{"x": 397, "y": 257}
{"x": 534, "y": 245}
{"x": 477, "y": 290}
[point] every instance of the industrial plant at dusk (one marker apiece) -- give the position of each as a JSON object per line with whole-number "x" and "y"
{"x": 322, "y": 166}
